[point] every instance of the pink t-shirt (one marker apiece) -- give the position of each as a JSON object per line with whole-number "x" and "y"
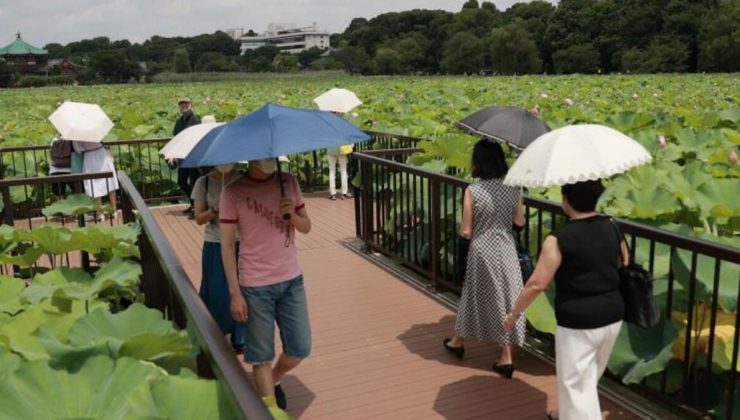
{"x": 266, "y": 255}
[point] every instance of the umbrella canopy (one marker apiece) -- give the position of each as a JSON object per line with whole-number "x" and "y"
{"x": 576, "y": 153}
{"x": 272, "y": 131}
{"x": 181, "y": 145}
{"x": 514, "y": 126}
{"x": 337, "y": 100}
{"x": 81, "y": 122}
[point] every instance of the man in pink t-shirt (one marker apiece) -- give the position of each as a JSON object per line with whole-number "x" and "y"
{"x": 269, "y": 286}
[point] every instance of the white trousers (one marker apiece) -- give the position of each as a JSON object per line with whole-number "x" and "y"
{"x": 342, "y": 159}
{"x": 580, "y": 358}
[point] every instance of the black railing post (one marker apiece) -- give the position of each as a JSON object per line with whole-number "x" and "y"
{"x": 367, "y": 204}
{"x": 435, "y": 234}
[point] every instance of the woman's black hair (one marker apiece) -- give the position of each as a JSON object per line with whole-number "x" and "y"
{"x": 583, "y": 196}
{"x": 489, "y": 160}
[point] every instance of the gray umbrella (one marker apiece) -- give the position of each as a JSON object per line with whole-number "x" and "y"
{"x": 514, "y": 126}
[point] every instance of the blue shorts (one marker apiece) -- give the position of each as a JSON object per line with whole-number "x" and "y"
{"x": 282, "y": 303}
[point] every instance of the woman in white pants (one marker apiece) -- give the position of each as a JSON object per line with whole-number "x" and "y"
{"x": 584, "y": 257}
{"x": 334, "y": 156}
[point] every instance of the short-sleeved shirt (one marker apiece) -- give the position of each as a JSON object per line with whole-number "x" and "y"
{"x": 208, "y": 188}
{"x": 268, "y": 254}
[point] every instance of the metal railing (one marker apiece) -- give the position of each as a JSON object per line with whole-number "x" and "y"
{"x": 167, "y": 287}
{"x": 412, "y": 215}
{"x": 156, "y": 180}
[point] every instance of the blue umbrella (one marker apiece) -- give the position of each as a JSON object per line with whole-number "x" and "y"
{"x": 273, "y": 131}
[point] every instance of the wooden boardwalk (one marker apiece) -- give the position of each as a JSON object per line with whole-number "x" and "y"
{"x": 377, "y": 350}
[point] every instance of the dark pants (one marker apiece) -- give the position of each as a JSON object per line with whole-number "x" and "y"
{"x": 186, "y": 178}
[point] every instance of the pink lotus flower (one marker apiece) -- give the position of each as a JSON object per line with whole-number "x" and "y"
{"x": 535, "y": 110}
{"x": 543, "y": 95}
{"x": 732, "y": 156}
{"x": 662, "y": 141}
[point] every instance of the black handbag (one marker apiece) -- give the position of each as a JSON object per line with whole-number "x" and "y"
{"x": 636, "y": 287}
{"x": 525, "y": 259}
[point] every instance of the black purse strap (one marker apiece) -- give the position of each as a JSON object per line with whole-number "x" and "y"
{"x": 620, "y": 239}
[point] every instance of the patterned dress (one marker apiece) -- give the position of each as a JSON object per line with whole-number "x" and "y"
{"x": 493, "y": 279}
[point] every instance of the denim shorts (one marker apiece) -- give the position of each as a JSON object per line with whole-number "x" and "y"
{"x": 282, "y": 303}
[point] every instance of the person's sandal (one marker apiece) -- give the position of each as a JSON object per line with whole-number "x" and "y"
{"x": 333, "y": 197}
{"x": 551, "y": 415}
{"x": 507, "y": 371}
{"x": 456, "y": 351}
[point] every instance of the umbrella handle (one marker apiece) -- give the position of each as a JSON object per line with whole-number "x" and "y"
{"x": 286, "y": 216}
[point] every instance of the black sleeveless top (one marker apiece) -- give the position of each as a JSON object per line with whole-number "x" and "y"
{"x": 587, "y": 281}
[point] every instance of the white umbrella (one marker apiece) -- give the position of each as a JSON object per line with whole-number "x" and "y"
{"x": 181, "y": 145}
{"x": 81, "y": 122}
{"x": 337, "y": 100}
{"x": 573, "y": 154}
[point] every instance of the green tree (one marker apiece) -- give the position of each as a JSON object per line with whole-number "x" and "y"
{"x": 181, "y": 61}
{"x": 216, "y": 62}
{"x": 719, "y": 39}
{"x": 412, "y": 49}
{"x": 513, "y": 51}
{"x": 354, "y": 59}
{"x": 113, "y": 66}
{"x": 582, "y": 58}
{"x": 388, "y": 61}
{"x": 56, "y": 50}
{"x": 285, "y": 63}
{"x": 463, "y": 53}
{"x": 7, "y": 75}
{"x": 471, "y": 4}
{"x": 306, "y": 57}
{"x": 664, "y": 55}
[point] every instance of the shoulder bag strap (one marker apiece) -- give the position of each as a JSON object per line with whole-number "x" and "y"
{"x": 620, "y": 239}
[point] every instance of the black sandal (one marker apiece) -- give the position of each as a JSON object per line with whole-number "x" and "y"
{"x": 507, "y": 371}
{"x": 457, "y": 351}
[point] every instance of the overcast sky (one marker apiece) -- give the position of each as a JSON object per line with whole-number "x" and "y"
{"x": 63, "y": 21}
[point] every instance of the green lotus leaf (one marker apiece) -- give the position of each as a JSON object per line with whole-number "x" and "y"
{"x": 63, "y": 282}
{"x": 639, "y": 353}
{"x": 72, "y": 205}
{"x": 729, "y": 280}
{"x": 20, "y": 331}
{"x": 117, "y": 272}
{"x": 10, "y": 290}
{"x": 205, "y": 399}
{"x": 26, "y": 255}
{"x": 137, "y": 332}
{"x": 730, "y": 114}
{"x": 732, "y": 135}
{"x": 8, "y": 238}
{"x": 8, "y": 362}
{"x": 541, "y": 313}
{"x": 719, "y": 198}
{"x": 684, "y": 182}
{"x": 101, "y": 389}
{"x": 52, "y": 239}
{"x": 95, "y": 238}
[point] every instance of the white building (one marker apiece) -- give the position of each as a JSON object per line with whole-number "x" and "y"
{"x": 288, "y": 37}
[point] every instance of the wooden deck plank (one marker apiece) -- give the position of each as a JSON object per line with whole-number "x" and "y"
{"x": 377, "y": 341}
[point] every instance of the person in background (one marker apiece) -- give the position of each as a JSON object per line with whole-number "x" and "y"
{"x": 584, "y": 257}
{"x": 98, "y": 159}
{"x": 60, "y": 164}
{"x": 493, "y": 278}
{"x": 333, "y": 157}
{"x": 186, "y": 176}
{"x": 269, "y": 286}
{"x": 214, "y": 288}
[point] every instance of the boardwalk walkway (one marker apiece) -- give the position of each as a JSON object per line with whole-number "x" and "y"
{"x": 377, "y": 341}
